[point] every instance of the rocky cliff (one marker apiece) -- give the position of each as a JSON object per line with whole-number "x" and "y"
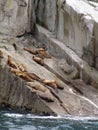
{"x": 68, "y": 32}
{"x": 73, "y": 24}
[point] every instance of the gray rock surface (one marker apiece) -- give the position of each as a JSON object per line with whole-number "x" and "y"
{"x": 77, "y": 28}
{"x": 16, "y": 16}
{"x": 46, "y": 12}
{"x": 15, "y": 92}
{"x": 73, "y": 24}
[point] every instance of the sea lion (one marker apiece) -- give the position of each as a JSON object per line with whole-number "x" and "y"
{"x": 1, "y": 54}
{"x": 59, "y": 85}
{"x": 42, "y": 52}
{"x": 38, "y": 60}
{"x": 41, "y": 91}
{"x": 34, "y": 77}
{"x": 50, "y": 83}
{"x": 22, "y": 67}
{"x": 44, "y": 95}
{"x": 34, "y": 52}
{"x": 21, "y": 74}
{"x": 38, "y": 86}
{"x": 11, "y": 63}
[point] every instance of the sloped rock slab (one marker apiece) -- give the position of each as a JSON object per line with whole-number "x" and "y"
{"x": 62, "y": 68}
{"x": 15, "y": 93}
{"x": 78, "y": 105}
{"x": 87, "y": 90}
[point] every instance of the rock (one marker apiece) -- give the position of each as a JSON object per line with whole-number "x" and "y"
{"x": 16, "y": 17}
{"x": 46, "y": 13}
{"x": 74, "y": 25}
{"x": 59, "y": 50}
{"x": 13, "y": 92}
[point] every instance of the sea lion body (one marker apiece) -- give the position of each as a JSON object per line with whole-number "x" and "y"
{"x": 34, "y": 76}
{"x": 34, "y": 52}
{"x": 38, "y": 60}
{"x": 50, "y": 83}
{"x": 21, "y": 74}
{"x": 11, "y": 63}
{"x": 42, "y": 52}
{"x": 45, "y": 96}
{"x": 38, "y": 86}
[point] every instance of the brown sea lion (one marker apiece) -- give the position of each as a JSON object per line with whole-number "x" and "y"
{"x": 50, "y": 83}
{"x": 1, "y": 54}
{"x": 34, "y": 76}
{"x": 34, "y": 52}
{"x": 42, "y": 52}
{"x": 38, "y": 60}
{"x": 22, "y": 67}
{"x": 11, "y": 63}
{"x": 21, "y": 74}
{"x": 38, "y": 86}
{"x": 45, "y": 96}
{"x": 40, "y": 49}
{"x": 59, "y": 85}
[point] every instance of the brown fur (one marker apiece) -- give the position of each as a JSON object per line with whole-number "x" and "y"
{"x": 38, "y": 60}
{"x": 34, "y": 52}
{"x": 22, "y": 75}
{"x": 51, "y": 83}
{"x": 22, "y": 67}
{"x": 34, "y": 76}
{"x": 38, "y": 86}
{"x": 1, "y": 54}
{"x": 59, "y": 85}
{"x": 44, "y": 95}
{"x": 43, "y": 53}
{"x": 11, "y": 63}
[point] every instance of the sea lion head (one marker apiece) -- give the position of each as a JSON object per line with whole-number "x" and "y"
{"x": 9, "y": 57}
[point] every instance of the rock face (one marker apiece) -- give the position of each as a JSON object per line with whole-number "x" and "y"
{"x": 69, "y": 32}
{"x": 14, "y": 93}
{"x": 46, "y": 12}
{"x": 71, "y": 95}
{"x": 16, "y": 16}
{"x": 73, "y": 24}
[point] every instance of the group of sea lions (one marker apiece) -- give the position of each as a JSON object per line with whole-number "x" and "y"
{"x": 38, "y": 54}
{"x": 38, "y": 85}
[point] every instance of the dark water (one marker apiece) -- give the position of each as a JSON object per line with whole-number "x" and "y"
{"x": 14, "y": 121}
